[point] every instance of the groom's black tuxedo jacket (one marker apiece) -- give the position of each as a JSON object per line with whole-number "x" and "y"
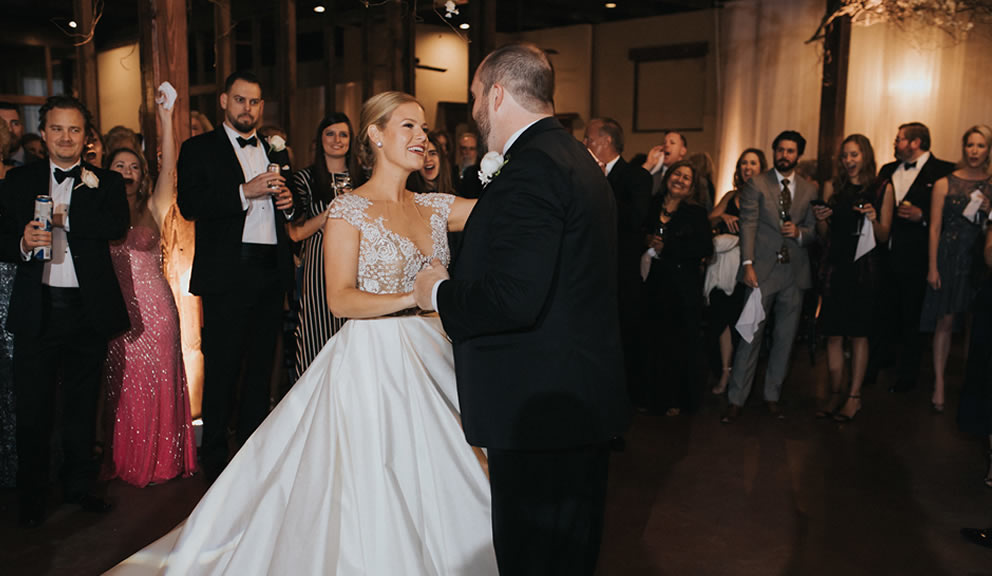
{"x": 532, "y": 304}
{"x": 209, "y": 177}
{"x": 96, "y": 216}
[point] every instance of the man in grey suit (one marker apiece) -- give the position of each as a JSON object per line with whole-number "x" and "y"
{"x": 776, "y": 225}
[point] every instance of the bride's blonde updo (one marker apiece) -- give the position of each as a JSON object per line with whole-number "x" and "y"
{"x": 376, "y": 111}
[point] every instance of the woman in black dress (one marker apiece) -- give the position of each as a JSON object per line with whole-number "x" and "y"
{"x": 333, "y": 171}
{"x": 849, "y": 285}
{"x": 726, "y": 308}
{"x": 678, "y": 241}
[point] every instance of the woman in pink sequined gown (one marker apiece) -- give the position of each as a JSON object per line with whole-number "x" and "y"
{"x": 145, "y": 378}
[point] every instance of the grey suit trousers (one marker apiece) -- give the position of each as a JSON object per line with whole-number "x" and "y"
{"x": 787, "y": 304}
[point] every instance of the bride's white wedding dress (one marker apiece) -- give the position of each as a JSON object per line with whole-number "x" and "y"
{"x": 362, "y": 468}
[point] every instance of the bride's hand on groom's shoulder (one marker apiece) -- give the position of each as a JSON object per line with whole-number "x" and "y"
{"x": 423, "y": 286}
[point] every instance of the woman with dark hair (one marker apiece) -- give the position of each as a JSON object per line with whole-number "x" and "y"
{"x": 954, "y": 232}
{"x": 678, "y": 240}
{"x": 850, "y": 280}
{"x": 435, "y": 176}
{"x": 334, "y": 171}
{"x": 145, "y": 378}
{"x": 726, "y": 307}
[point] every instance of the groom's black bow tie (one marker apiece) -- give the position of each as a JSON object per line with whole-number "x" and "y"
{"x": 253, "y": 141}
{"x": 908, "y": 165}
{"x": 61, "y": 175}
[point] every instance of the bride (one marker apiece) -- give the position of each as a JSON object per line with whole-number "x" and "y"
{"x": 363, "y": 467}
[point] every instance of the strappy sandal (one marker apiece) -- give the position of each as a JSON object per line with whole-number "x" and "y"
{"x": 841, "y": 417}
{"x": 832, "y": 406}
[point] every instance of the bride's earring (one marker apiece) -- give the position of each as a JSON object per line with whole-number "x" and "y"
{"x": 378, "y": 144}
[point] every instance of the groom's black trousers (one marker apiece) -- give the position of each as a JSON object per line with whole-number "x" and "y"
{"x": 548, "y": 509}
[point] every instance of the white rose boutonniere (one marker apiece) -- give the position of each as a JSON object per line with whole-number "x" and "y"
{"x": 490, "y": 167}
{"x": 277, "y": 144}
{"x": 89, "y": 178}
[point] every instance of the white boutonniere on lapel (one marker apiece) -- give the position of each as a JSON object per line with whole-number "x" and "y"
{"x": 88, "y": 178}
{"x": 490, "y": 167}
{"x": 276, "y": 143}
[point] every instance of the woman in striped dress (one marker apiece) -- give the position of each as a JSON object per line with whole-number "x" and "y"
{"x": 333, "y": 171}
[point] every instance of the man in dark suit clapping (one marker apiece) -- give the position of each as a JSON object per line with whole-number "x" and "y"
{"x": 531, "y": 309}
{"x": 63, "y": 311}
{"x": 242, "y": 266}
{"x": 632, "y": 193}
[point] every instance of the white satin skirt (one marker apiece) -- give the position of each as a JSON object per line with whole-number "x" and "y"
{"x": 361, "y": 469}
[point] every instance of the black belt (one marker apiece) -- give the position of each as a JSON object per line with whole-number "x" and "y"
{"x": 57, "y": 297}
{"x": 261, "y": 254}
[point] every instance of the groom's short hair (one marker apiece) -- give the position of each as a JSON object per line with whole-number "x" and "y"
{"x": 524, "y": 70}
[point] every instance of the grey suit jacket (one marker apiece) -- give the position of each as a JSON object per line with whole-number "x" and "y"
{"x": 761, "y": 236}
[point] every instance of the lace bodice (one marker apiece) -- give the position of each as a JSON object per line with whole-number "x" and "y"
{"x": 387, "y": 262}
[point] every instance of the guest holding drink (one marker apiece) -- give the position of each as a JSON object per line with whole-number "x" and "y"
{"x": 144, "y": 378}
{"x": 850, "y": 281}
{"x": 435, "y": 176}
{"x": 333, "y": 172}
{"x": 726, "y": 308}
{"x": 955, "y": 225}
{"x": 975, "y": 411}
{"x": 678, "y": 241}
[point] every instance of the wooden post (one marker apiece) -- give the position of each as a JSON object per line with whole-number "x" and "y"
{"x": 86, "y": 62}
{"x": 49, "y": 82}
{"x": 833, "y": 92}
{"x": 482, "y": 40}
{"x": 366, "y": 62}
{"x": 287, "y": 64}
{"x": 400, "y": 28}
{"x": 330, "y": 61}
{"x": 223, "y": 43}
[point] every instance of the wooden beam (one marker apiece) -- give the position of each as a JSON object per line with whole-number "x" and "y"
{"x": 287, "y": 64}
{"x": 482, "y": 40}
{"x": 833, "y": 93}
{"x": 49, "y": 81}
{"x": 22, "y": 100}
{"x": 330, "y": 61}
{"x": 223, "y": 43}
{"x": 366, "y": 62}
{"x": 86, "y": 75}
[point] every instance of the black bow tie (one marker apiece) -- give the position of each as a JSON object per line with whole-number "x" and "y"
{"x": 253, "y": 141}
{"x": 61, "y": 175}
{"x": 908, "y": 165}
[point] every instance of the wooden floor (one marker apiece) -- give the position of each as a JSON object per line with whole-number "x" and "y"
{"x": 884, "y": 495}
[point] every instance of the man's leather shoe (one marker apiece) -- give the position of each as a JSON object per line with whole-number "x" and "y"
{"x": 733, "y": 412}
{"x": 775, "y": 410}
{"x": 90, "y": 503}
{"x": 978, "y": 536}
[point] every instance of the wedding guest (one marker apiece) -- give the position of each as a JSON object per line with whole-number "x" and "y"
{"x": 724, "y": 307}
{"x": 705, "y": 194}
{"x": 673, "y": 149}
{"x": 242, "y": 266}
{"x": 776, "y": 225}
{"x": 8, "y": 442}
{"x": 975, "y": 410}
{"x": 122, "y": 137}
{"x": 468, "y": 184}
{"x": 199, "y": 123}
{"x": 953, "y": 234}
{"x": 678, "y": 240}
{"x": 631, "y": 186}
{"x": 63, "y": 311}
{"x": 144, "y": 378}
{"x": 11, "y": 114}
{"x": 850, "y": 285}
{"x": 443, "y": 142}
{"x": 94, "y": 151}
{"x": 912, "y": 177}
{"x": 314, "y": 187}
{"x": 435, "y": 176}
{"x": 34, "y": 148}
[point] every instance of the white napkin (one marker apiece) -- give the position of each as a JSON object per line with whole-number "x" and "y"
{"x": 646, "y": 263}
{"x": 657, "y": 167}
{"x": 751, "y": 317}
{"x": 972, "y": 208}
{"x": 167, "y": 95}
{"x": 866, "y": 240}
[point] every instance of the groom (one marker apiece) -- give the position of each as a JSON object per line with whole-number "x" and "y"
{"x": 532, "y": 313}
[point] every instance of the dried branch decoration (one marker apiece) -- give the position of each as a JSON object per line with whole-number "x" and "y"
{"x": 953, "y": 17}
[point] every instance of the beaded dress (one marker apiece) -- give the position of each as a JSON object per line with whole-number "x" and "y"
{"x": 8, "y": 443}
{"x": 363, "y": 467}
{"x": 145, "y": 378}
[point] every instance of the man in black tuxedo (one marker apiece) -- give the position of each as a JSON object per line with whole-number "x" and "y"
{"x": 532, "y": 312}
{"x": 64, "y": 310}
{"x": 632, "y": 193}
{"x": 912, "y": 177}
{"x": 242, "y": 266}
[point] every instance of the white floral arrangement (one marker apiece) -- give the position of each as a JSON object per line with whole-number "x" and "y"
{"x": 450, "y": 9}
{"x": 490, "y": 166}
{"x": 277, "y": 143}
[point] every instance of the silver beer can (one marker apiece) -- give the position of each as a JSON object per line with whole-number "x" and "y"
{"x": 43, "y": 213}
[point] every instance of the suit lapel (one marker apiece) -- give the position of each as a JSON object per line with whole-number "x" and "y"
{"x": 230, "y": 157}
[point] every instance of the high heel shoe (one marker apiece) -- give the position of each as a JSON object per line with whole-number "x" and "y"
{"x": 827, "y": 410}
{"x": 841, "y": 417}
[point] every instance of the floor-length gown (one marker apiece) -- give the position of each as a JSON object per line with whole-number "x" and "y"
{"x": 363, "y": 467}
{"x": 145, "y": 378}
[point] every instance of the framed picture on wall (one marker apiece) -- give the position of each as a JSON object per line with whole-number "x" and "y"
{"x": 660, "y": 70}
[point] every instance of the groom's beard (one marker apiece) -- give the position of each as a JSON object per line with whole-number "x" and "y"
{"x": 484, "y": 129}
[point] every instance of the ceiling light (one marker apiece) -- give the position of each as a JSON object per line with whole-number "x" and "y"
{"x": 319, "y": 9}
{"x": 72, "y": 24}
{"x": 611, "y": 4}
{"x": 464, "y": 26}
